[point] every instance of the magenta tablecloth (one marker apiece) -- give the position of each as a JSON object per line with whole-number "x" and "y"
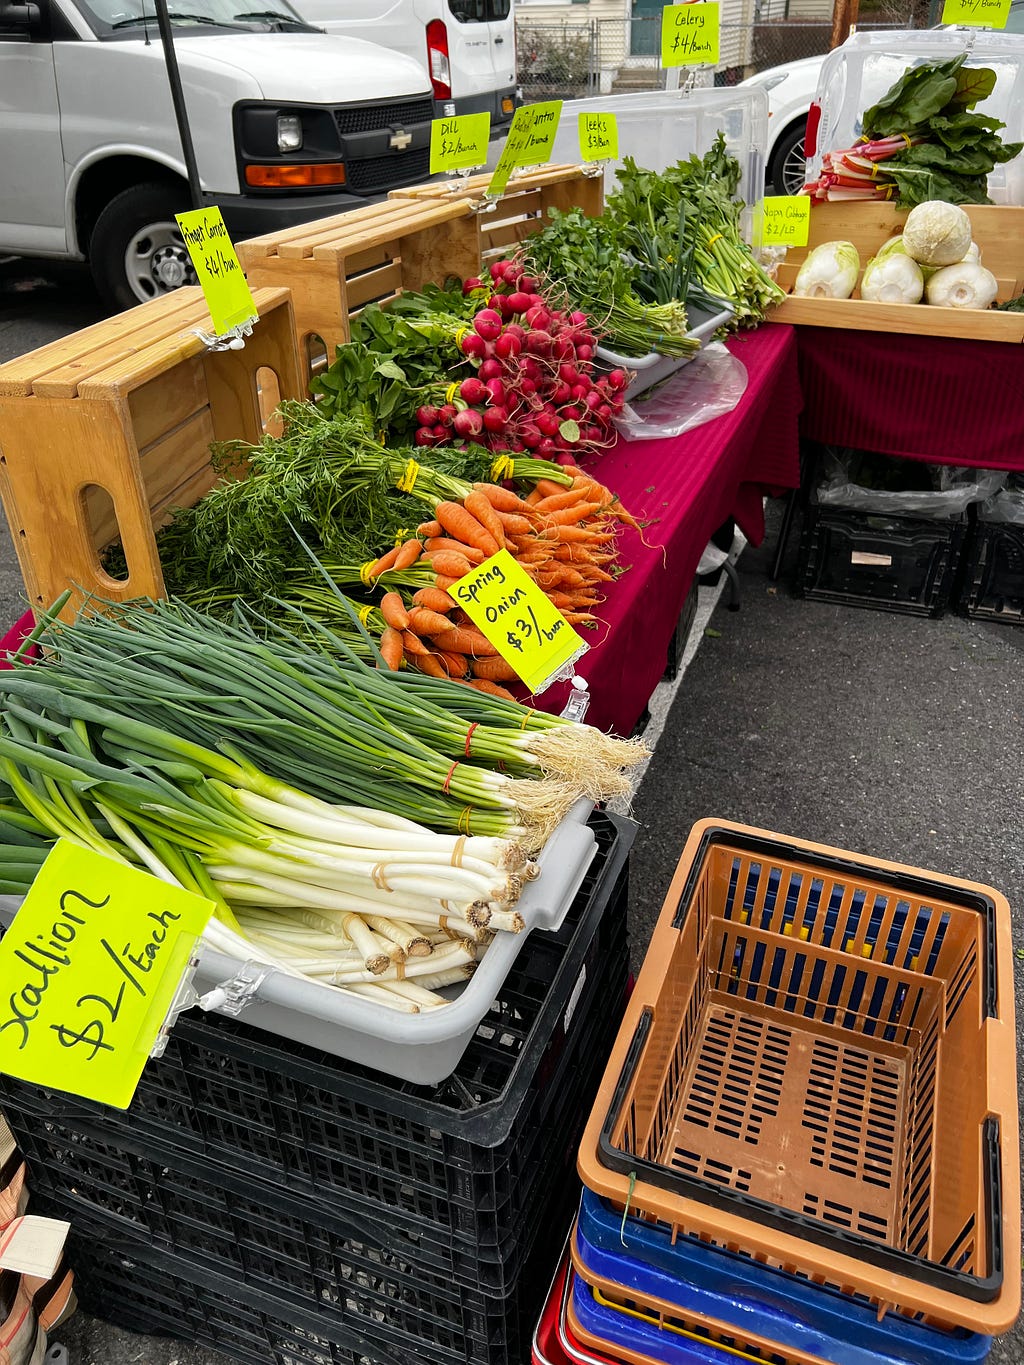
{"x": 686, "y": 486}
{"x": 940, "y": 399}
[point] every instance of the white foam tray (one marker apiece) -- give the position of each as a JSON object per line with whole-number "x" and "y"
{"x": 415, "y": 1047}
{"x": 651, "y": 369}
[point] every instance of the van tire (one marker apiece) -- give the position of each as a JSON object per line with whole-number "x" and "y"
{"x": 786, "y": 172}
{"x": 135, "y": 251}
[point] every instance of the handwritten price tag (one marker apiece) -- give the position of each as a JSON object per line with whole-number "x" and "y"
{"x": 90, "y": 967}
{"x": 227, "y": 295}
{"x": 530, "y": 139}
{"x": 459, "y": 143}
{"x": 785, "y": 220}
{"x": 976, "y": 13}
{"x": 529, "y": 633}
{"x": 599, "y": 137}
{"x": 690, "y": 34}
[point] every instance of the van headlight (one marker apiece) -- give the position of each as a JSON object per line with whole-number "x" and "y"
{"x": 289, "y": 132}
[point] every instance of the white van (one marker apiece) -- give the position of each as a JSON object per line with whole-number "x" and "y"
{"x": 466, "y": 47}
{"x": 288, "y": 123}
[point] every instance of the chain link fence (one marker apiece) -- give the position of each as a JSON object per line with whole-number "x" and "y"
{"x": 614, "y": 56}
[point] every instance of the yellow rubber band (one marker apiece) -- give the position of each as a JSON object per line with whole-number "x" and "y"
{"x": 526, "y": 718}
{"x": 364, "y": 613}
{"x": 408, "y": 480}
{"x": 466, "y": 813}
{"x": 907, "y": 139}
{"x": 462, "y": 332}
{"x": 451, "y": 391}
{"x": 365, "y": 576}
{"x": 502, "y": 468}
{"x": 717, "y": 237}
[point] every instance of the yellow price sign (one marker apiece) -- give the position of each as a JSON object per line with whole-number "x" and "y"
{"x": 599, "y": 137}
{"x": 220, "y": 273}
{"x": 528, "y": 632}
{"x": 91, "y": 964}
{"x": 459, "y": 143}
{"x": 784, "y": 220}
{"x": 690, "y": 34}
{"x": 531, "y": 137}
{"x": 976, "y": 13}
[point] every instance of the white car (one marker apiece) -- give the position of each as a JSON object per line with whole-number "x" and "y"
{"x": 791, "y": 88}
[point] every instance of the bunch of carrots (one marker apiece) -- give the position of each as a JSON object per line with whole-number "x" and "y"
{"x": 564, "y": 537}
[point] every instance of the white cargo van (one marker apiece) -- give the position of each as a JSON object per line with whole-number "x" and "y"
{"x": 466, "y": 47}
{"x": 289, "y": 124}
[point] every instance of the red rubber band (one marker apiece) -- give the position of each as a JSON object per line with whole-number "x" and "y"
{"x": 469, "y": 735}
{"x": 447, "y": 781}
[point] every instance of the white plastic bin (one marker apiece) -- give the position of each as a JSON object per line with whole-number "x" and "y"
{"x": 855, "y": 76}
{"x": 651, "y": 369}
{"x": 660, "y": 127}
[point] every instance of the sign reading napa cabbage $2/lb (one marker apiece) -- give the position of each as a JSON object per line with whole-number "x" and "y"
{"x": 90, "y": 967}
{"x": 529, "y": 633}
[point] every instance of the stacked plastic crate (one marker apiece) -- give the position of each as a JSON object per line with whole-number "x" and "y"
{"x": 804, "y": 1149}
{"x": 282, "y": 1206}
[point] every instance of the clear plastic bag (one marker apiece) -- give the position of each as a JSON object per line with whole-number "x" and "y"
{"x": 710, "y": 386}
{"x": 952, "y": 488}
{"x": 1007, "y": 506}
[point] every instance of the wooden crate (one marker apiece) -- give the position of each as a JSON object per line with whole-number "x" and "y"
{"x": 105, "y": 432}
{"x": 336, "y": 266}
{"x": 998, "y": 230}
{"x": 523, "y": 208}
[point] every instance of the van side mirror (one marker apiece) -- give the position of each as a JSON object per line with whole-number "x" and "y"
{"x": 18, "y": 16}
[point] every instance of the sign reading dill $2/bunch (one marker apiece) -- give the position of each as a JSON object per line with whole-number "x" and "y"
{"x": 90, "y": 967}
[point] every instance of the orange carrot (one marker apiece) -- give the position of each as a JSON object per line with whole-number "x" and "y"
{"x": 462, "y": 525}
{"x": 445, "y": 543}
{"x": 413, "y": 644}
{"x": 385, "y": 562}
{"x": 572, "y": 516}
{"x": 476, "y": 504}
{"x": 494, "y": 669}
{"x": 392, "y": 648}
{"x": 580, "y": 618}
{"x": 463, "y": 640}
{"x": 408, "y": 554}
{"x": 450, "y": 564}
{"x": 443, "y": 582}
{"x": 426, "y": 622}
{"x": 392, "y": 608}
{"x": 568, "y": 497}
{"x": 547, "y": 489}
{"x": 492, "y": 689}
{"x": 503, "y": 499}
{"x": 431, "y": 664}
{"x": 514, "y": 524}
{"x": 456, "y": 665}
{"x": 433, "y": 598}
{"x": 582, "y": 535}
{"x": 429, "y": 528}
{"x": 532, "y": 499}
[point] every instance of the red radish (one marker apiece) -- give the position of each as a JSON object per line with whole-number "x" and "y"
{"x": 498, "y": 270}
{"x": 578, "y": 319}
{"x": 617, "y": 379}
{"x": 538, "y": 343}
{"x": 487, "y": 324}
{"x": 547, "y": 423}
{"x": 561, "y": 394}
{"x": 440, "y": 433}
{"x": 516, "y": 446}
{"x": 446, "y": 415}
{"x": 527, "y": 284}
{"x": 527, "y": 387}
{"x": 490, "y": 369}
{"x": 584, "y": 352}
{"x": 538, "y": 317}
{"x": 605, "y": 413}
{"x": 530, "y": 437}
{"x": 567, "y": 374}
{"x": 546, "y": 448}
{"x": 499, "y": 303}
{"x": 593, "y": 400}
{"x": 424, "y": 437}
{"x": 512, "y": 272}
{"x": 428, "y": 417}
{"x": 514, "y": 330}
{"x": 468, "y": 423}
{"x": 473, "y": 346}
{"x": 474, "y": 282}
{"x": 571, "y": 414}
{"x": 473, "y": 391}
{"x": 495, "y": 419}
{"x": 496, "y": 390}
{"x": 507, "y": 346}
{"x": 519, "y": 302}
{"x": 581, "y": 389}
{"x": 590, "y": 434}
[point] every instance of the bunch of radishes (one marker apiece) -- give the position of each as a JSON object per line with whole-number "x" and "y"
{"x": 535, "y": 387}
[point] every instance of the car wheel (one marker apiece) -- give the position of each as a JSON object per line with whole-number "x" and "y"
{"x": 136, "y": 251}
{"x": 787, "y": 173}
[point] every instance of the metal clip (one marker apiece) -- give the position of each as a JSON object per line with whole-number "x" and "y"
{"x": 232, "y": 996}
{"x": 186, "y": 997}
{"x": 234, "y": 340}
{"x": 592, "y": 169}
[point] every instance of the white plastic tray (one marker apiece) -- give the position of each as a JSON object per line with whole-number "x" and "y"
{"x": 415, "y": 1047}
{"x": 652, "y": 369}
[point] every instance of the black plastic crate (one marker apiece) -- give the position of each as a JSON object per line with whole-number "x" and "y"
{"x": 993, "y": 581}
{"x": 448, "y": 1177}
{"x": 882, "y": 560}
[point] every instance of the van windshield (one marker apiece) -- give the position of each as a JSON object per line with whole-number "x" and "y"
{"x": 123, "y": 18}
{"x": 479, "y": 11}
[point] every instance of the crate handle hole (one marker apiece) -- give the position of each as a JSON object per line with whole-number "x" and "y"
{"x": 99, "y": 517}
{"x": 268, "y": 396}
{"x": 317, "y": 359}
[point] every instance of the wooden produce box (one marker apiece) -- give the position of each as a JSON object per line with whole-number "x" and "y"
{"x": 105, "y": 432}
{"x": 336, "y": 266}
{"x": 998, "y": 230}
{"x": 523, "y": 208}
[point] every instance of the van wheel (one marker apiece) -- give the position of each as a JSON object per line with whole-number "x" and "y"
{"x": 136, "y": 251}
{"x": 788, "y": 171}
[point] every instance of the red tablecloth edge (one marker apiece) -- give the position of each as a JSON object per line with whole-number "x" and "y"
{"x": 12, "y": 641}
